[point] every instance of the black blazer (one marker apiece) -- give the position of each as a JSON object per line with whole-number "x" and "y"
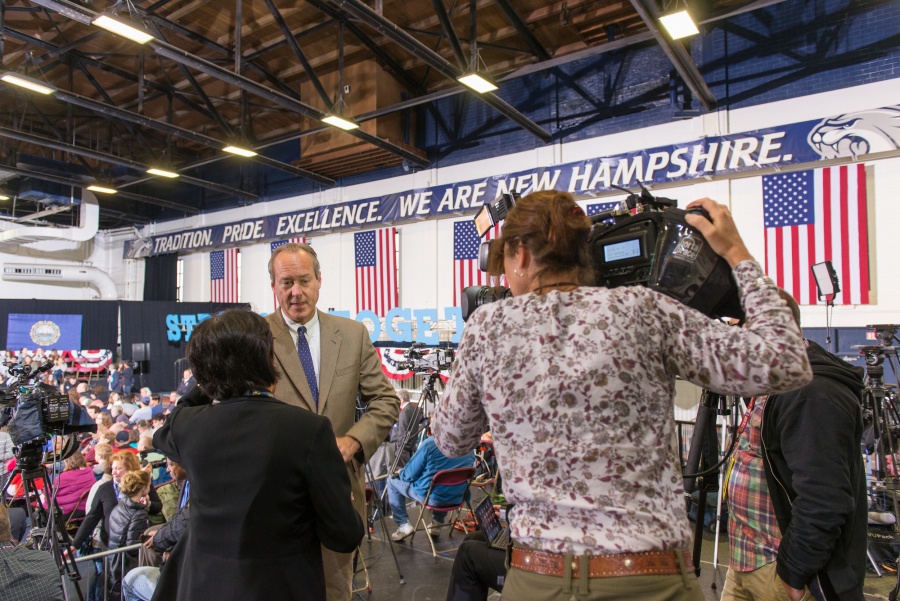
{"x": 268, "y": 489}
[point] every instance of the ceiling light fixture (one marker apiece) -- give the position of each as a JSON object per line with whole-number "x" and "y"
{"x": 341, "y": 122}
{"x": 118, "y": 26}
{"x": 27, "y": 83}
{"x": 336, "y": 118}
{"x": 162, "y": 172}
{"x": 4, "y": 197}
{"x": 102, "y": 189}
{"x": 244, "y": 152}
{"x": 476, "y": 76}
{"x": 679, "y": 24}
{"x": 477, "y": 82}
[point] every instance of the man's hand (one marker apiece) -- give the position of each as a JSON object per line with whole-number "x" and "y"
{"x": 148, "y": 544}
{"x": 348, "y": 446}
{"x": 793, "y": 593}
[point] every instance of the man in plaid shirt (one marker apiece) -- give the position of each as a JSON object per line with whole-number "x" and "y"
{"x": 796, "y": 490}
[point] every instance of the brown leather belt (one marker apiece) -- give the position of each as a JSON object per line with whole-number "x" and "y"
{"x": 601, "y": 566}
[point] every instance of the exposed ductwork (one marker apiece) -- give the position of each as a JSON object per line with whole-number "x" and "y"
{"x": 88, "y": 224}
{"x": 51, "y": 274}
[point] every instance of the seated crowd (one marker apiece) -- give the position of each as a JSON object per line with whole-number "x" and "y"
{"x": 112, "y": 487}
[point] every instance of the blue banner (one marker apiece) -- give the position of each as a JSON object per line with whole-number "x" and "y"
{"x": 61, "y": 332}
{"x": 844, "y": 136}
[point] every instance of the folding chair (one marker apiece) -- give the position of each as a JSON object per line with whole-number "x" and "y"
{"x": 452, "y": 477}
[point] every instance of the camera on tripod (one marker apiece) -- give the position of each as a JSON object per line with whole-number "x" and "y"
{"x": 644, "y": 240}
{"x": 883, "y": 335}
{"x": 420, "y": 359}
{"x": 35, "y": 412}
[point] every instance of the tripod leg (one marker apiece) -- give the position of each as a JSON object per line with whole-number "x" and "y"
{"x": 384, "y": 530}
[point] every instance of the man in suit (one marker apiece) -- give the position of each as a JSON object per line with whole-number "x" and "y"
{"x": 344, "y": 366}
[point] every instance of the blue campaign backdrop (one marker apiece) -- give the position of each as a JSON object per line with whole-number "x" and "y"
{"x": 42, "y": 330}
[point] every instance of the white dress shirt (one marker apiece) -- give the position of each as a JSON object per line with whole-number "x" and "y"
{"x": 313, "y": 338}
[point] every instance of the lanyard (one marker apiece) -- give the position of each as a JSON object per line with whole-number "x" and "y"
{"x": 746, "y": 418}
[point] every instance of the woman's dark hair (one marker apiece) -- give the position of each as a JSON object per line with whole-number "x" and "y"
{"x": 232, "y": 352}
{"x": 554, "y": 229}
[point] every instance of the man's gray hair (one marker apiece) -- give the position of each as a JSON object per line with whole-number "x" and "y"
{"x": 293, "y": 247}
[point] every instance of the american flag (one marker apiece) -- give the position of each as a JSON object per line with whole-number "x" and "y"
{"x": 815, "y": 216}
{"x": 599, "y": 207}
{"x": 376, "y": 270}
{"x": 465, "y": 257}
{"x": 224, "y": 276}
{"x": 276, "y": 244}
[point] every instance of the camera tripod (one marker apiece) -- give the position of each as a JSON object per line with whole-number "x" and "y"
{"x": 419, "y": 422}
{"x": 703, "y": 472}
{"x": 878, "y": 407}
{"x": 46, "y": 522}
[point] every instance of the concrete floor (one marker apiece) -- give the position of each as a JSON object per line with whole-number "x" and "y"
{"x": 426, "y": 576}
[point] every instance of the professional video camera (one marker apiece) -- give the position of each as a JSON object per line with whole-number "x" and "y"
{"x": 424, "y": 360}
{"x": 644, "y": 240}
{"x": 35, "y": 412}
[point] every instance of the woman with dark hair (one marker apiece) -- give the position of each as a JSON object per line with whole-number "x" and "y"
{"x": 577, "y": 385}
{"x": 264, "y": 504}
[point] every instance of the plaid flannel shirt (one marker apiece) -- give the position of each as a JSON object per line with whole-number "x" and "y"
{"x": 752, "y": 528}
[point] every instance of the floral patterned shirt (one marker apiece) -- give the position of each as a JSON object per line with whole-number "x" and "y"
{"x": 577, "y": 389}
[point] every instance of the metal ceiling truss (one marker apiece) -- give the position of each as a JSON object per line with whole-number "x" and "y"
{"x": 166, "y": 50}
{"x": 298, "y": 53}
{"x": 397, "y": 70}
{"x": 677, "y": 54}
{"x": 80, "y": 184}
{"x": 353, "y": 13}
{"x": 395, "y": 33}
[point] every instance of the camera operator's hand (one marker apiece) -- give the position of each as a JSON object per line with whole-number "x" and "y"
{"x": 719, "y": 231}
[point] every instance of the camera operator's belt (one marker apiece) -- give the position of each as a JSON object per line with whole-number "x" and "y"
{"x": 660, "y": 563}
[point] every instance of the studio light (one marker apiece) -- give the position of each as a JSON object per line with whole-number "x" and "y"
{"x": 826, "y": 280}
{"x": 679, "y": 24}
{"x": 26, "y": 82}
{"x": 244, "y": 152}
{"x": 118, "y": 26}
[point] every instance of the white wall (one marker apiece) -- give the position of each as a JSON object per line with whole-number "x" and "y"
{"x": 426, "y": 247}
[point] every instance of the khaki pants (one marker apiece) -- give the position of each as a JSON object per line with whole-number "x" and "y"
{"x": 528, "y": 586}
{"x": 762, "y": 584}
{"x": 338, "y": 574}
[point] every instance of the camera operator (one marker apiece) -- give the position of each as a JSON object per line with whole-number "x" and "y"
{"x": 576, "y": 383}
